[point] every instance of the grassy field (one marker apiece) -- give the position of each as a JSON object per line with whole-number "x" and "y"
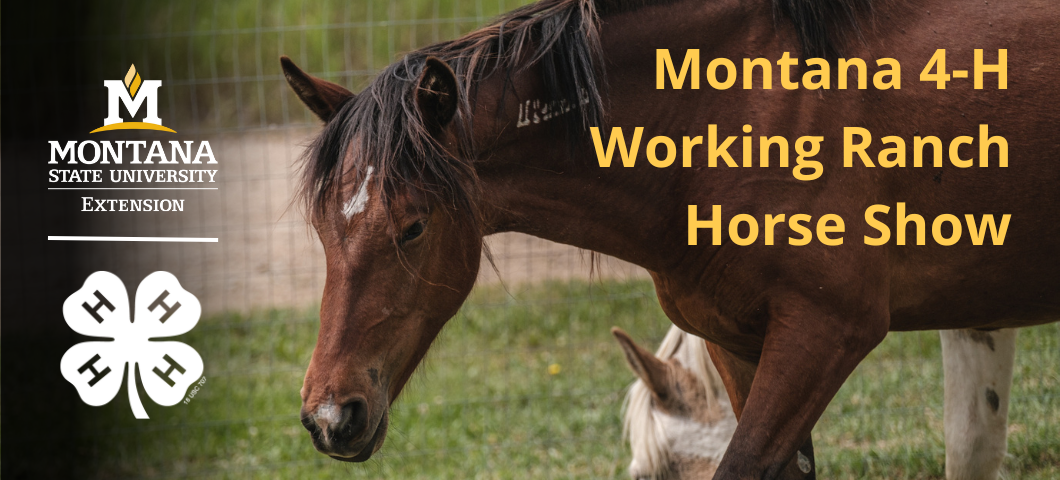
{"x": 485, "y": 404}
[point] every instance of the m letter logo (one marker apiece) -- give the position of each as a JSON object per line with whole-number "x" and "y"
{"x": 135, "y": 94}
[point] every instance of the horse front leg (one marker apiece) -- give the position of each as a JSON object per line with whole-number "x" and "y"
{"x": 738, "y": 375}
{"x": 806, "y": 356}
{"x": 978, "y": 377}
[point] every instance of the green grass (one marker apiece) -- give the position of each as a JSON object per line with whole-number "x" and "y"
{"x": 485, "y": 406}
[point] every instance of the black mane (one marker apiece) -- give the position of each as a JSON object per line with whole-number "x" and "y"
{"x": 382, "y": 128}
{"x": 821, "y": 24}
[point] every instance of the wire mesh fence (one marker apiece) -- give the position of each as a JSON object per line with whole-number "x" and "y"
{"x": 525, "y": 382}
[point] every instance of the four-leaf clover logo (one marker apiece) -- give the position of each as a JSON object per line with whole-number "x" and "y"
{"x": 101, "y": 309}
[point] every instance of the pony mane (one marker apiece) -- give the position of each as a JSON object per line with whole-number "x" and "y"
{"x": 382, "y": 128}
{"x": 640, "y": 423}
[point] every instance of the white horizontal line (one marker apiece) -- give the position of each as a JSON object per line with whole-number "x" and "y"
{"x": 134, "y": 188}
{"x": 130, "y": 239}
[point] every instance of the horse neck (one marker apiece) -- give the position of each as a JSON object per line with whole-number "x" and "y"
{"x": 541, "y": 193}
{"x": 535, "y": 183}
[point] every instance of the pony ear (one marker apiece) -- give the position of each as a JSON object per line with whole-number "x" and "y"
{"x": 321, "y": 96}
{"x": 654, "y": 372}
{"x": 437, "y": 94}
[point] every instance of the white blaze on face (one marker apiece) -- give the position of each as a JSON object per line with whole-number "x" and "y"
{"x": 360, "y": 200}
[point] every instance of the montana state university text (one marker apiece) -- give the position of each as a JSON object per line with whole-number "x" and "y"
{"x": 107, "y": 152}
{"x": 131, "y": 162}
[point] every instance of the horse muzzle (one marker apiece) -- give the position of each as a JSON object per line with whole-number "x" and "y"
{"x": 345, "y": 432}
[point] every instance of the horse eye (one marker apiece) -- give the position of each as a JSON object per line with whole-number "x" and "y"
{"x": 415, "y": 230}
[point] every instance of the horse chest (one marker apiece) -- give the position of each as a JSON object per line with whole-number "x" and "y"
{"x": 692, "y": 310}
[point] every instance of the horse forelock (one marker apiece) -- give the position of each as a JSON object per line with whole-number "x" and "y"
{"x": 646, "y": 427}
{"x": 382, "y": 128}
{"x": 380, "y": 131}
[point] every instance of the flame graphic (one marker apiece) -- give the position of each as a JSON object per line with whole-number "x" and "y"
{"x": 132, "y": 80}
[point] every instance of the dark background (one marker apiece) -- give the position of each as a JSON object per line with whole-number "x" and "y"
{"x": 44, "y": 92}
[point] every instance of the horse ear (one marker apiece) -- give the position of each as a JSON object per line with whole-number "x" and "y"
{"x": 321, "y": 96}
{"x": 437, "y": 94}
{"x": 654, "y": 372}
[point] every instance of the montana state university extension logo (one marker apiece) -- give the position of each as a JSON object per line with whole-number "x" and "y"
{"x": 133, "y": 93}
{"x": 101, "y": 309}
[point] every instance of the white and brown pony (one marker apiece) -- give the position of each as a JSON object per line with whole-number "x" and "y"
{"x": 678, "y": 419}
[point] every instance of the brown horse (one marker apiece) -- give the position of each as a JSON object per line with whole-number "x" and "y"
{"x": 488, "y": 133}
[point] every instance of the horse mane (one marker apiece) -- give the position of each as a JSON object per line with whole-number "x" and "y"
{"x": 382, "y": 128}
{"x": 822, "y": 24}
{"x": 646, "y": 434}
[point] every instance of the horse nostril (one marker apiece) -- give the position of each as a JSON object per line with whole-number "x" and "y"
{"x": 355, "y": 414}
{"x": 307, "y": 422}
{"x": 334, "y": 428}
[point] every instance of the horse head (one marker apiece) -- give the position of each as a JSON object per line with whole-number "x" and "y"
{"x": 393, "y": 209}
